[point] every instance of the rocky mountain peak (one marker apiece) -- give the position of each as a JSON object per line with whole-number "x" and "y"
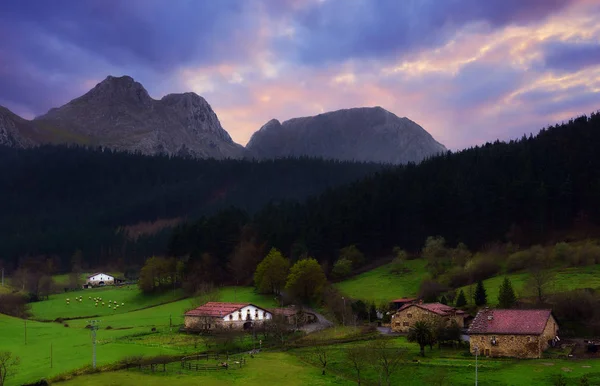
{"x": 356, "y": 134}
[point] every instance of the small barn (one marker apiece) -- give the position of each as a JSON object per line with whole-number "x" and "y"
{"x": 512, "y": 333}
{"x": 218, "y": 315}
{"x": 99, "y": 279}
{"x": 411, "y": 313}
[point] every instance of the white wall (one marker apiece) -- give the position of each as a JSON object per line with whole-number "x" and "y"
{"x": 262, "y": 314}
{"x": 101, "y": 277}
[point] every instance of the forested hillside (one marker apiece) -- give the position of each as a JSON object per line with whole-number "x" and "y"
{"x": 523, "y": 191}
{"x": 55, "y": 200}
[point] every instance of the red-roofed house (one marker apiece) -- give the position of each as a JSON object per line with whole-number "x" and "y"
{"x": 215, "y": 315}
{"x": 512, "y": 333}
{"x": 399, "y": 303}
{"x": 411, "y": 313}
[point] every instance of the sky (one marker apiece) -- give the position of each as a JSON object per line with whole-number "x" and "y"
{"x": 468, "y": 71}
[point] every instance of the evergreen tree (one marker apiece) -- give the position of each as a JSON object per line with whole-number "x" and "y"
{"x": 443, "y": 300}
{"x": 480, "y": 296}
{"x": 461, "y": 300}
{"x": 506, "y": 294}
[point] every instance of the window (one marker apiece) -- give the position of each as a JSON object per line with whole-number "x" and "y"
{"x": 264, "y": 315}
{"x": 409, "y": 315}
{"x": 256, "y": 314}
{"x": 529, "y": 339}
{"x": 230, "y": 317}
{"x": 405, "y": 324}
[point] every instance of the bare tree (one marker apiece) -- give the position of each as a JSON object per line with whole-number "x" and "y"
{"x": 386, "y": 358}
{"x": 8, "y": 366}
{"x": 357, "y": 358}
{"x": 320, "y": 354}
{"x": 540, "y": 282}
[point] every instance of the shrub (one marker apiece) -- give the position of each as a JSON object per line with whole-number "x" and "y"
{"x": 527, "y": 258}
{"x": 430, "y": 290}
{"x": 587, "y": 254}
{"x": 483, "y": 267}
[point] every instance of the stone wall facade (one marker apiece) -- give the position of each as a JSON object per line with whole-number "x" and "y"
{"x": 515, "y": 346}
{"x": 403, "y": 320}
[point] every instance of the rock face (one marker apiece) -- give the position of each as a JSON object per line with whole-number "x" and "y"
{"x": 118, "y": 113}
{"x": 359, "y": 134}
{"x": 12, "y": 128}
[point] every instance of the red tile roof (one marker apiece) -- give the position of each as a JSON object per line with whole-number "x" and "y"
{"x": 436, "y": 308}
{"x": 216, "y": 309}
{"x": 510, "y": 322}
{"x": 404, "y": 300}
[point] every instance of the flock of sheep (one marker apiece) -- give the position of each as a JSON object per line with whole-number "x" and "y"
{"x": 98, "y": 301}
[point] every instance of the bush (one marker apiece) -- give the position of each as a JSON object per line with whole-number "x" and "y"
{"x": 483, "y": 267}
{"x": 587, "y": 254}
{"x": 14, "y": 305}
{"x": 527, "y": 258}
{"x": 431, "y": 290}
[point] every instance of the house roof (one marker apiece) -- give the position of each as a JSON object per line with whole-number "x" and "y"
{"x": 217, "y": 309}
{"x": 99, "y": 273}
{"x": 510, "y": 322}
{"x": 404, "y": 300}
{"x": 436, "y": 308}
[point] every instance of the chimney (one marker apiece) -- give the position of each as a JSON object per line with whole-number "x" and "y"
{"x": 420, "y": 301}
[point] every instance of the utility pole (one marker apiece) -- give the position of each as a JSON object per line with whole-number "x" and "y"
{"x": 476, "y": 352}
{"x": 94, "y": 327}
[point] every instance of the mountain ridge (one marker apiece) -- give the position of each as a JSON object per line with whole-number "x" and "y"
{"x": 119, "y": 113}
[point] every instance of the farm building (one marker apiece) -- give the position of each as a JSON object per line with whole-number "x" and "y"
{"x": 100, "y": 279}
{"x": 513, "y": 333}
{"x": 294, "y": 315}
{"x": 411, "y": 313}
{"x": 215, "y": 315}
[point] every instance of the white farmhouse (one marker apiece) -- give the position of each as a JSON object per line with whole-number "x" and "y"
{"x": 100, "y": 279}
{"x": 215, "y": 315}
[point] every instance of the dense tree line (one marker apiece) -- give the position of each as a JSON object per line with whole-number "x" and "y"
{"x": 55, "y": 200}
{"x": 518, "y": 191}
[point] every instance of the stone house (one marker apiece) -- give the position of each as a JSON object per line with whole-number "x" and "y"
{"x": 512, "y": 333}
{"x": 396, "y": 304}
{"x": 294, "y": 315}
{"x": 219, "y": 315}
{"x": 436, "y": 313}
{"x": 100, "y": 278}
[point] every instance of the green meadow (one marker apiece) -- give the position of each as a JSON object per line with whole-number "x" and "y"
{"x": 563, "y": 279}
{"x": 380, "y": 285}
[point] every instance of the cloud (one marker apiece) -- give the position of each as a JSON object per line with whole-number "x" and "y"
{"x": 468, "y": 71}
{"x": 571, "y": 56}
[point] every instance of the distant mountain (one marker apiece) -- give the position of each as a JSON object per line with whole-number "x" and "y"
{"x": 12, "y": 128}
{"x": 119, "y": 114}
{"x": 359, "y": 134}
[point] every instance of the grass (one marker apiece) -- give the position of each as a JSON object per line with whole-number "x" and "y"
{"x": 380, "y": 285}
{"x": 456, "y": 367}
{"x": 564, "y": 279}
{"x": 56, "y": 306}
{"x": 264, "y": 369}
{"x": 129, "y": 334}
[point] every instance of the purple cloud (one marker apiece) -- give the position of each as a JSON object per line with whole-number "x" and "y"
{"x": 337, "y": 30}
{"x": 571, "y": 56}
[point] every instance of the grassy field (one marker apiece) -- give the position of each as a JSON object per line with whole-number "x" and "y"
{"x": 124, "y": 332}
{"x": 564, "y": 279}
{"x": 56, "y": 306}
{"x": 263, "y": 369}
{"x": 380, "y": 285}
{"x": 455, "y": 367}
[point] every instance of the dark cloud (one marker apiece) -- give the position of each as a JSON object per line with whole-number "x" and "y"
{"x": 571, "y": 56}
